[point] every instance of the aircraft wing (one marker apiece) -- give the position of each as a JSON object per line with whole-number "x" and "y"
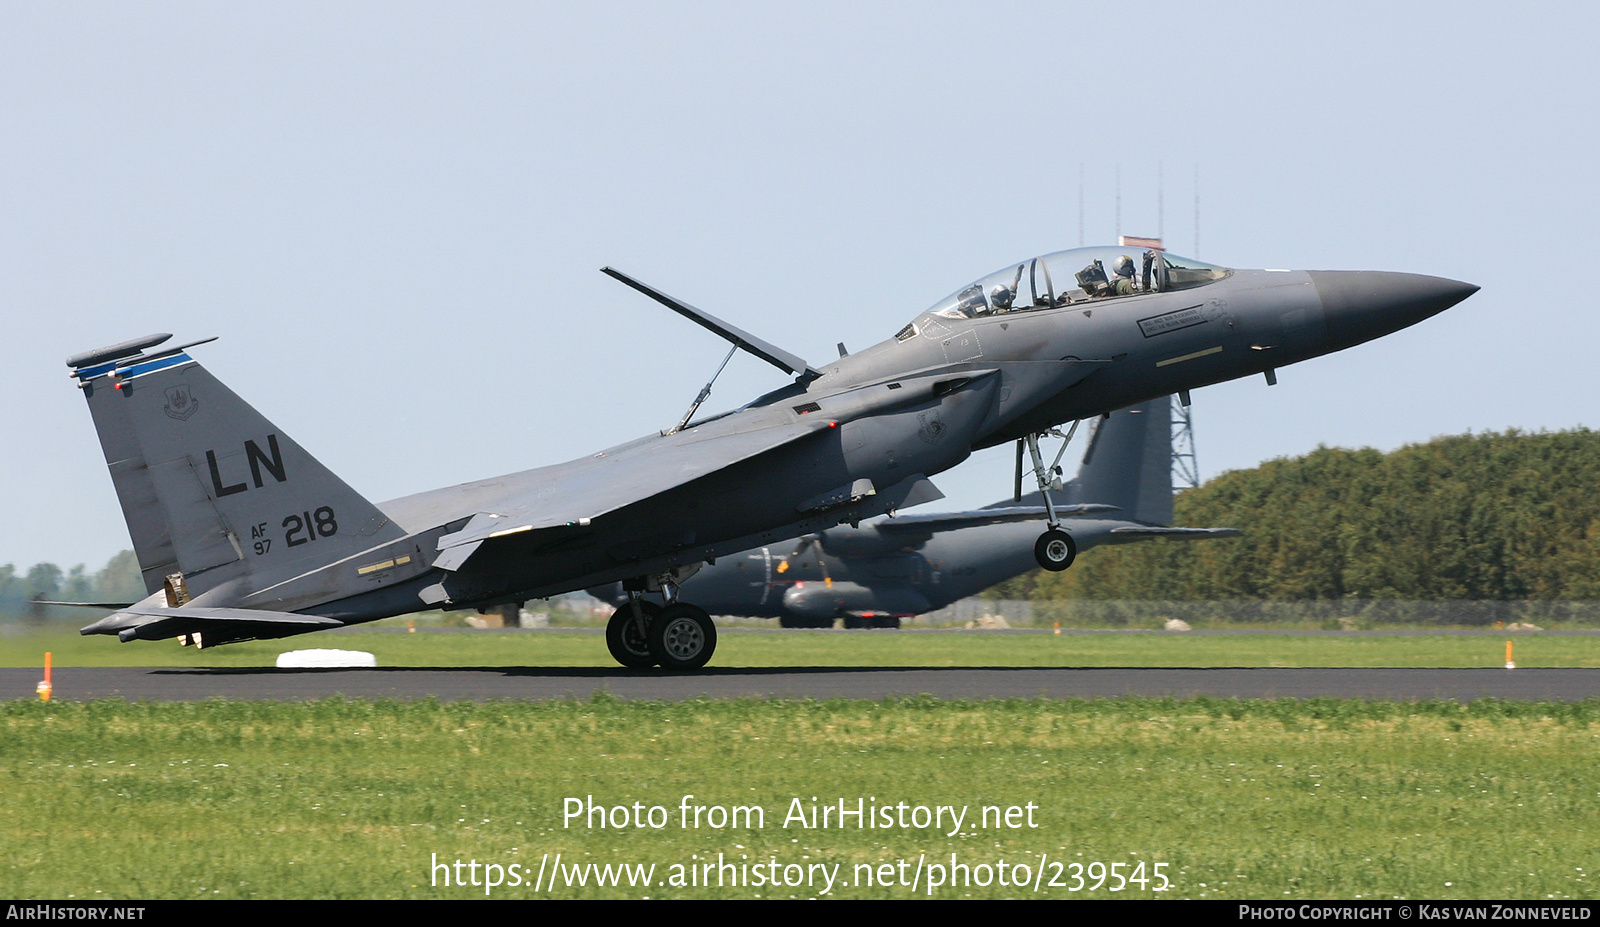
{"x": 950, "y": 521}
{"x": 1140, "y": 532}
{"x": 574, "y": 494}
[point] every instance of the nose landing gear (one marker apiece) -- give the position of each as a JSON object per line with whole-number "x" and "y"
{"x": 1055, "y": 550}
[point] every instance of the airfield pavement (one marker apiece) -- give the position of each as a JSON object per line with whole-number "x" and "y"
{"x": 454, "y": 684}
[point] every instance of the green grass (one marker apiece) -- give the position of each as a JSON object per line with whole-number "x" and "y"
{"x": 352, "y": 799}
{"x": 864, "y": 648}
{"x": 1236, "y": 799}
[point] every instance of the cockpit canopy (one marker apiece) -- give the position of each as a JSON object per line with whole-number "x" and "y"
{"x": 1068, "y": 278}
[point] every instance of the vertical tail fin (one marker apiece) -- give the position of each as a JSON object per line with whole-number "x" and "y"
{"x": 210, "y": 488}
{"x": 1128, "y": 463}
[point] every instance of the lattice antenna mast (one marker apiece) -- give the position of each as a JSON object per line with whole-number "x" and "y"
{"x": 1185, "y": 471}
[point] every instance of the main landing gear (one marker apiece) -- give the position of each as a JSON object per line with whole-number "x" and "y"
{"x": 680, "y": 636}
{"x": 1055, "y": 550}
{"x": 683, "y": 637}
{"x": 628, "y": 633}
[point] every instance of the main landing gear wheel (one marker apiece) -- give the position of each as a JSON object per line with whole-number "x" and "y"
{"x": 629, "y": 645}
{"x": 682, "y": 637}
{"x": 1055, "y": 550}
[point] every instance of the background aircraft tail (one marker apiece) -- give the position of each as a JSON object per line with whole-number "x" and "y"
{"x": 1127, "y": 463}
{"x": 213, "y": 493}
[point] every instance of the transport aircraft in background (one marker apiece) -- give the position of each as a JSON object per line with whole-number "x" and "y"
{"x": 874, "y": 575}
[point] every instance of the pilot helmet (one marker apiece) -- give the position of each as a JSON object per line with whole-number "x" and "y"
{"x": 1000, "y": 297}
{"x": 1124, "y": 266}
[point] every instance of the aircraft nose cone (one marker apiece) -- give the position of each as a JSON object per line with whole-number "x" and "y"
{"x": 1360, "y": 305}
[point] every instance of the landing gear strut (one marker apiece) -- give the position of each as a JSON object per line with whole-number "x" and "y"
{"x": 1055, "y": 550}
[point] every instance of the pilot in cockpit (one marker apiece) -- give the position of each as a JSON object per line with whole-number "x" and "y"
{"x": 1123, "y": 285}
{"x": 1001, "y": 297}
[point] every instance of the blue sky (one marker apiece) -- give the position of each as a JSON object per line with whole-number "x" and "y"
{"x": 394, "y": 214}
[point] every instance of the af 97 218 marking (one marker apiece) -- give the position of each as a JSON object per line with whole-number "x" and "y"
{"x": 309, "y": 526}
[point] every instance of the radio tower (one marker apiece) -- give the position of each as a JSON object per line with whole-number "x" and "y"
{"x": 1185, "y": 472}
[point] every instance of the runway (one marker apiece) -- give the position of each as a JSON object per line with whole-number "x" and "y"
{"x": 454, "y": 684}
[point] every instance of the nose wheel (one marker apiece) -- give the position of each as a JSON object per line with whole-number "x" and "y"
{"x": 1055, "y": 550}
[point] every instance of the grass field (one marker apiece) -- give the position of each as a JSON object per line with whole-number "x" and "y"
{"x": 740, "y": 648}
{"x": 1220, "y": 798}
{"x": 1233, "y": 799}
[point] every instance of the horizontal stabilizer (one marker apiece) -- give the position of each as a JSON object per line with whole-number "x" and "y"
{"x": 950, "y": 521}
{"x": 153, "y": 622}
{"x": 772, "y": 354}
{"x": 82, "y": 604}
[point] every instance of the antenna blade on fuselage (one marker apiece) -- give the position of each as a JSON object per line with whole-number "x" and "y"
{"x": 772, "y": 354}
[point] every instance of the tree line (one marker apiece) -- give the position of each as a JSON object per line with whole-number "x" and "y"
{"x": 1498, "y": 516}
{"x": 119, "y": 581}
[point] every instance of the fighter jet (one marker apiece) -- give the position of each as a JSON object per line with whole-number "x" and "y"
{"x": 241, "y": 534}
{"x": 874, "y": 575}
